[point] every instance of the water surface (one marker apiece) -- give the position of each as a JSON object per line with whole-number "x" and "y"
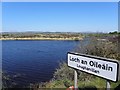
{"x": 33, "y": 61}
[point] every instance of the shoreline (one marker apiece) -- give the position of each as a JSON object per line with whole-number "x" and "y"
{"x": 42, "y": 39}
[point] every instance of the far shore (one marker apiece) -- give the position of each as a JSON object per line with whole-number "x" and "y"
{"x": 41, "y": 38}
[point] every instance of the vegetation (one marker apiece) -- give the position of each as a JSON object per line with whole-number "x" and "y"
{"x": 115, "y": 32}
{"x": 63, "y": 76}
{"x": 41, "y": 36}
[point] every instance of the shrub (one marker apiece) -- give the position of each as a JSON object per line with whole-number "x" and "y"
{"x": 94, "y": 47}
{"x": 105, "y": 49}
{"x": 65, "y": 75}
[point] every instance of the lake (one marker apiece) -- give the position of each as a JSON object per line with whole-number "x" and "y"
{"x": 26, "y": 62}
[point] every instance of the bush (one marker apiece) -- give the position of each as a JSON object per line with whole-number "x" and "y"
{"x": 65, "y": 74}
{"x": 94, "y": 47}
{"x": 105, "y": 49}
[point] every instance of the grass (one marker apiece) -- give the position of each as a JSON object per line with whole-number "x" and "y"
{"x": 41, "y": 36}
{"x": 64, "y": 75}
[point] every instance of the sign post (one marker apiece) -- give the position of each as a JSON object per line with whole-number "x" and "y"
{"x": 107, "y": 85}
{"x": 99, "y": 66}
{"x": 75, "y": 79}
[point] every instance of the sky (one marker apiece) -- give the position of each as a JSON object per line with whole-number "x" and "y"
{"x": 59, "y": 16}
{"x": 60, "y": 0}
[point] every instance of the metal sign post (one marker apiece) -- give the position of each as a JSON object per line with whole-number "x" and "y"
{"x": 107, "y": 85}
{"x": 75, "y": 80}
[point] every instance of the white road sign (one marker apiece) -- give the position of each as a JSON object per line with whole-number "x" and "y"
{"x": 102, "y": 67}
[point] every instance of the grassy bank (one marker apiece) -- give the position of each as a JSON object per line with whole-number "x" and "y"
{"x": 41, "y": 36}
{"x": 37, "y": 38}
{"x": 64, "y": 75}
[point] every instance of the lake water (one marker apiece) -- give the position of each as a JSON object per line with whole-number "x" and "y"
{"x": 28, "y": 62}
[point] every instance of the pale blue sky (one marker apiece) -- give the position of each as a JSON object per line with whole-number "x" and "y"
{"x": 60, "y": 17}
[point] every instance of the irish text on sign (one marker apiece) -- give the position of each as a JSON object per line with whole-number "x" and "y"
{"x": 101, "y": 67}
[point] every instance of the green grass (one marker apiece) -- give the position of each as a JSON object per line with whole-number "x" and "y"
{"x": 96, "y": 82}
{"x": 64, "y": 76}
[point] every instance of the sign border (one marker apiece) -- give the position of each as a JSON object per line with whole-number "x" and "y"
{"x": 95, "y": 57}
